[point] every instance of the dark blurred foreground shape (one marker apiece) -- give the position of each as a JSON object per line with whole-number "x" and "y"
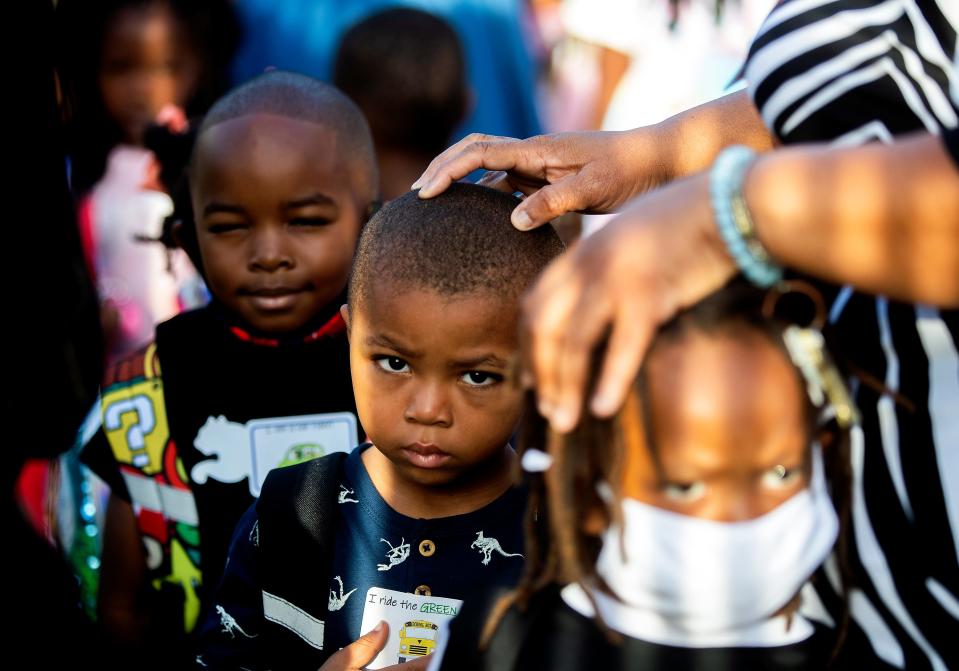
{"x": 51, "y": 346}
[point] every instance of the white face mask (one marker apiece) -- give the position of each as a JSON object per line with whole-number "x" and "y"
{"x": 705, "y": 576}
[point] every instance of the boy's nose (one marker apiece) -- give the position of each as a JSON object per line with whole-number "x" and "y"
{"x": 429, "y": 405}
{"x": 269, "y": 252}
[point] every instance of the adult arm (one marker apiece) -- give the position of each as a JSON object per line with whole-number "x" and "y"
{"x": 883, "y": 218}
{"x": 600, "y": 171}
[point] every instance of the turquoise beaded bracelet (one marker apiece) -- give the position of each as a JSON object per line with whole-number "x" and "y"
{"x": 733, "y": 219}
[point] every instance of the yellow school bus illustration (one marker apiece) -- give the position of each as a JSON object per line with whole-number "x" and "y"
{"x": 417, "y": 638}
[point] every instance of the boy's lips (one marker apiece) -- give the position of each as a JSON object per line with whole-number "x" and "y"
{"x": 426, "y": 455}
{"x": 274, "y": 298}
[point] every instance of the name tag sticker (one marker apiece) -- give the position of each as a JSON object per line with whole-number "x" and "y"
{"x": 284, "y": 441}
{"x": 415, "y": 623}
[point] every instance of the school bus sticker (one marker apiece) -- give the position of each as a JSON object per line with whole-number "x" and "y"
{"x": 417, "y": 622}
{"x": 417, "y": 639}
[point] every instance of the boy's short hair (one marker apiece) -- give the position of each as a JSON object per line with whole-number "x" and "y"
{"x": 460, "y": 242}
{"x": 293, "y": 96}
{"x": 303, "y": 98}
{"x": 406, "y": 70}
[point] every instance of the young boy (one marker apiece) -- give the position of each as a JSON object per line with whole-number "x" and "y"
{"x": 282, "y": 178}
{"x": 424, "y": 518}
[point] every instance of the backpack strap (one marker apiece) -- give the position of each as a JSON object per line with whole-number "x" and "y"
{"x": 297, "y": 513}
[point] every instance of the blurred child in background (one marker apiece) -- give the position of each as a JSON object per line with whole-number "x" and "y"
{"x": 129, "y": 66}
{"x": 406, "y": 71}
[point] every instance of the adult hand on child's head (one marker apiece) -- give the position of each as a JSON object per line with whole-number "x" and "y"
{"x": 565, "y": 172}
{"x": 364, "y": 650}
{"x": 662, "y": 254}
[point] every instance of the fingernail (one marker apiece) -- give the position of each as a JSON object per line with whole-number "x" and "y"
{"x": 417, "y": 184}
{"x": 378, "y": 628}
{"x": 603, "y": 405}
{"x": 521, "y": 220}
{"x": 545, "y": 408}
{"x": 562, "y": 420}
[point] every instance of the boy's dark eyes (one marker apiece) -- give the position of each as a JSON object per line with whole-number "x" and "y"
{"x": 473, "y": 378}
{"x": 310, "y": 221}
{"x": 477, "y": 378}
{"x": 299, "y": 222}
{"x": 392, "y": 364}
{"x": 224, "y": 228}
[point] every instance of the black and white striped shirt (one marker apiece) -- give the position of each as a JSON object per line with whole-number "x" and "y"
{"x": 850, "y": 72}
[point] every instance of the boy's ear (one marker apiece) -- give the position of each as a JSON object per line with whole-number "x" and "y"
{"x": 345, "y": 314}
{"x": 187, "y": 243}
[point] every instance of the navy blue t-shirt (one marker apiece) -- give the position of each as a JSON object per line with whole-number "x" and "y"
{"x": 468, "y": 557}
{"x": 378, "y": 547}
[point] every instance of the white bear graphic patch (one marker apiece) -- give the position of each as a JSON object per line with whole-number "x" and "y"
{"x": 236, "y": 451}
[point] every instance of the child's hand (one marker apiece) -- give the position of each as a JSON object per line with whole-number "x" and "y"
{"x": 363, "y": 650}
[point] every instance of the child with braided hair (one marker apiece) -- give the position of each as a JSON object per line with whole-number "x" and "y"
{"x": 681, "y": 533}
